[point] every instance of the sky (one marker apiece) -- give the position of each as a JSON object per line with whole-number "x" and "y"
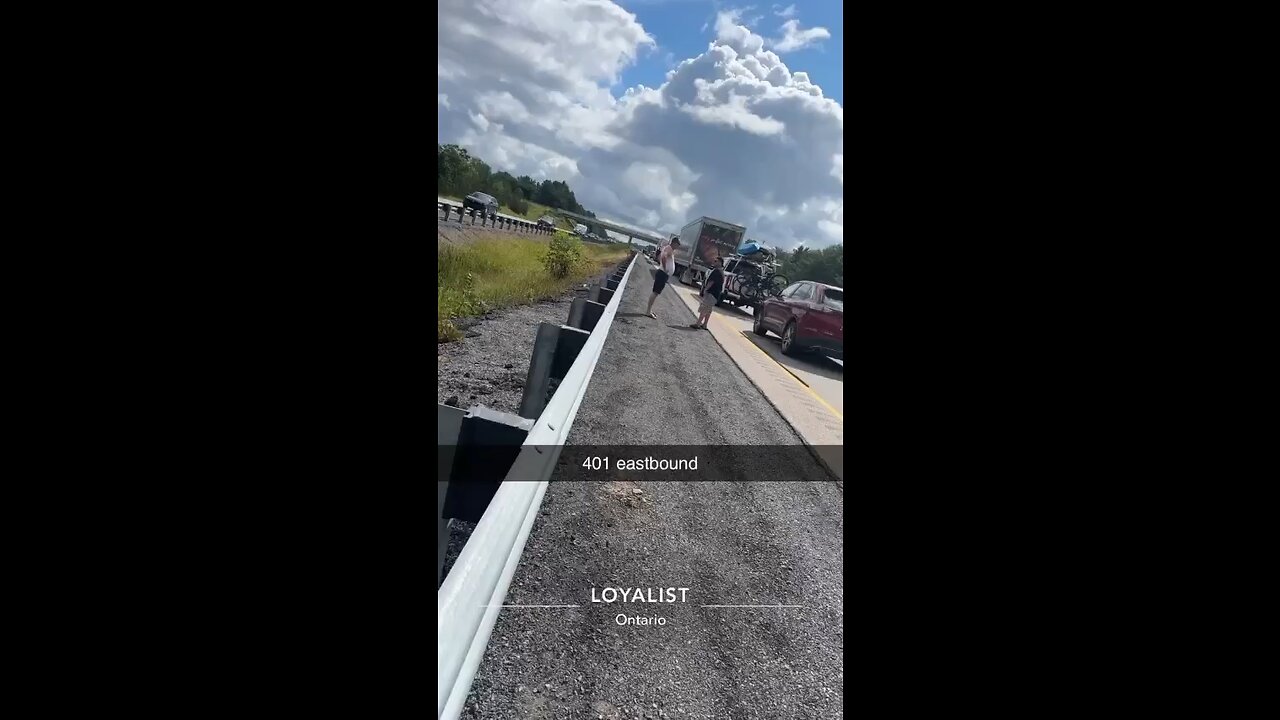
{"x": 656, "y": 112}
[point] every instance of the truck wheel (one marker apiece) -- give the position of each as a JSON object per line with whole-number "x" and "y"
{"x": 757, "y": 327}
{"x": 686, "y": 277}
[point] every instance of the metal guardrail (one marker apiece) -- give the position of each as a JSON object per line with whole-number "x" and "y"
{"x": 471, "y": 596}
{"x": 494, "y": 220}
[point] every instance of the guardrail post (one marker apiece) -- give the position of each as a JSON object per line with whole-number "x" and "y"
{"x": 554, "y": 351}
{"x": 488, "y": 443}
{"x": 584, "y": 314}
{"x": 602, "y": 295}
{"x": 448, "y": 431}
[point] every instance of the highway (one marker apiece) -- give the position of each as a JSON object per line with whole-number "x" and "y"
{"x": 459, "y": 202}
{"x": 753, "y": 537}
{"x": 823, "y": 374}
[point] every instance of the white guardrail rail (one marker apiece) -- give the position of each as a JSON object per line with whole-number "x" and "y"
{"x": 471, "y": 596}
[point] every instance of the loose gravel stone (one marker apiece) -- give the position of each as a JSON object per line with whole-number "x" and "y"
{"x": 772, "y": 536}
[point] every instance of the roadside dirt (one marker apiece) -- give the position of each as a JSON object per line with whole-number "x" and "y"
{"x": 490, "y": 364}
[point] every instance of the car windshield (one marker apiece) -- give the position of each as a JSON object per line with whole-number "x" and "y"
{"x": 834, "y": 298}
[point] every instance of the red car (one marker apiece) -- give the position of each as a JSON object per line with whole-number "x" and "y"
{"x": 808, "y": 315}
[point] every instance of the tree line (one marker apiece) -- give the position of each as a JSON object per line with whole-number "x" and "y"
{"x": 459, "y": 173}
{"x": 825, "y": 266}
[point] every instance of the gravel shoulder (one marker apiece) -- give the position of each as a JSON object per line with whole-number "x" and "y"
{"x": 490, "y": 365}
{"x": 722, "y": 532}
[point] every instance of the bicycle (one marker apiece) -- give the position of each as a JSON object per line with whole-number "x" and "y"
{"x": 757, "y": 287}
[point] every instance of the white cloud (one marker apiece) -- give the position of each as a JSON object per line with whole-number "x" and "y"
{"x": 442, "y": 99}
{"x": 730, "y": 31}
{"x": 789, "y": 11}
{"x": 793, "y": 38}
{"x": 732, "y": 132}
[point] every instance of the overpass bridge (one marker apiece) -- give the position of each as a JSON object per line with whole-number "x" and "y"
{"x": 632, "y": 233}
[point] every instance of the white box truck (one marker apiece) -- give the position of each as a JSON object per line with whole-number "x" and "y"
{"x": 696, "y": 238}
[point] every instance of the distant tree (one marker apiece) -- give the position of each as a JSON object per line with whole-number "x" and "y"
{"x": 527, "y": 186}
{"x": 824, "y": 266}
{"x": 452, "y": 163}
{"x": 459, "y": 174}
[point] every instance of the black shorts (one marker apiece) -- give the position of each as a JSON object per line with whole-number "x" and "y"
{"x": 659, "y": 281}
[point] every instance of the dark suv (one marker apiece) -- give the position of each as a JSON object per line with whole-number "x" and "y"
{"x": 482, "y": 202}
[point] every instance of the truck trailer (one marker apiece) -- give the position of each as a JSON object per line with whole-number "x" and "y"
{"x": 697, "y": 238}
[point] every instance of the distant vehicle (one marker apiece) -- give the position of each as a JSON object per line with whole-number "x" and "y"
{"x": 698, "y": 237}
{"x": 483, "y": 202}
{"x": 580, "y": 229}
{"x": 546, "y": 221}
{"x": 809, "y": 316}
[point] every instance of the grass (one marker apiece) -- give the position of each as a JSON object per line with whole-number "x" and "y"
{"x": 536, "y": 211}
{"x": 501, "y": 271}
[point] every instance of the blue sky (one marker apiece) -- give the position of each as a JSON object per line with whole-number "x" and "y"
{"x": 683, "y": 28}
{"x": 749, "y": 129}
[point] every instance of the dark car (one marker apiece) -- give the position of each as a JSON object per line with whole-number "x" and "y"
{"x": 481, "y": 202}
{"x": 808, "y": 315}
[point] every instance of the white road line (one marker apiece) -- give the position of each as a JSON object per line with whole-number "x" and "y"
{"x": 530, "y": 606}
{"x": 750, "y": 606}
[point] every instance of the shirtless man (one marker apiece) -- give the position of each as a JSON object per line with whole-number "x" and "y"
{"x": 666, "y": 268}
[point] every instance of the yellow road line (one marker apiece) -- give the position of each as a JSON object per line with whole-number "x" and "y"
{"x": 741, "y": 334}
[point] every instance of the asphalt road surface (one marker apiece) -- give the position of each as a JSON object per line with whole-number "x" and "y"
{"x": 759, "y": 523}
{"x": 824, "y": 375}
